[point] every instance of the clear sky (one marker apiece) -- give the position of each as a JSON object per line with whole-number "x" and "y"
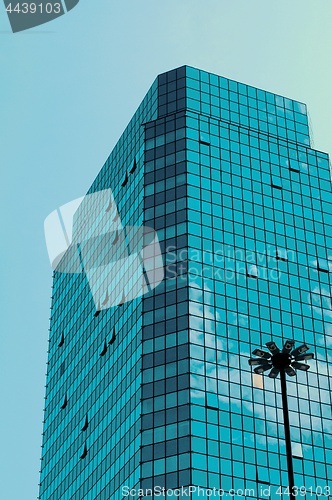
{"x": 68, "y": 89}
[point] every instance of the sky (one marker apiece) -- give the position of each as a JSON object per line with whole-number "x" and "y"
{"x": 68, "y": 90}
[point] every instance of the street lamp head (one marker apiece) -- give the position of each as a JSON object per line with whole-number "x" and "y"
{"x": 290, "y": 371}
{"x": 288, "y": 346}
{"x": 272, "y": 347}
{"x": 261, "y": 354}
{"x": 274, "y": 373}
{"x": 258, "y": 361}
{"x": 281, "y": 360}
{"x": 305, "y": 357}
{"x": 263, "y": 368}
{"x": 300, "y": 350}
{"x": 300, "y": 366}
{"x": 286, "y": 361}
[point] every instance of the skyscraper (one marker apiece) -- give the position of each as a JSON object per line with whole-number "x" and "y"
{"x": 157, "y": 391}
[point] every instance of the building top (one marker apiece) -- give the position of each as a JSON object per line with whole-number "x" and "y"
{"x": 218, "y": 101}
{"x": 227, "y": 100}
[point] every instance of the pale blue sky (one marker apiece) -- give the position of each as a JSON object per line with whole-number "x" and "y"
{"x": 68, "y": 89}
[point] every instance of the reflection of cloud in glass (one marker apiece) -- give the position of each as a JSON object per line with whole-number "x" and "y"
{"x": 319, "y": 301}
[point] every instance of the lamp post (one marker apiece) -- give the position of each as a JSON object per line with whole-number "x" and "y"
{"x": 288, "y": 360}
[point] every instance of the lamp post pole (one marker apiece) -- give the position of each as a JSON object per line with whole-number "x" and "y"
{"x": 288, "y": 441}
{"x": 285, "y": 361}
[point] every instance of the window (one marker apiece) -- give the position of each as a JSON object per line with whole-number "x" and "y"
{"x": 64, "y": 402}
{"x": 125, "y": 180}
{"x": 257, "y": 381}
{"x": 297, "y": 451}
{"x": 62, "y": 340}
{"x": 116, "y": 239}
{"x": 86, "y": 424}
{"x": 204, "y": 139}
{"x": 252, "y": 271}
{"x": 123, "y": 299}
{"x": 294, "y": 166}
{"x": 211, "y": 401}
{"x": 106, "y": 299}
{"x": 323, "y": 265}
{"x": 133, "y": 168}
{"x": 109, "y": 206}
{"x": 104, "y": 351}
{"x": 97, "y": 310}
{"x": 111, "y": 342}
{"x": 276, "y": 182}
{"x": 281, "y": 254}
{"x": 85, "y": 451}
{"x": 262, "y": 475}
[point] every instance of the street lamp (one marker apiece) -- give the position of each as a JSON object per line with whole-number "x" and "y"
{"x": 288, "y": 360}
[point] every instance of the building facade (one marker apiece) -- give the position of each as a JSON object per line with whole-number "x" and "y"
{"x": 242, "y": 205}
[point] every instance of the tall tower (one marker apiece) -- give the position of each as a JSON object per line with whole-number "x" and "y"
{"x": 157, "y": 391}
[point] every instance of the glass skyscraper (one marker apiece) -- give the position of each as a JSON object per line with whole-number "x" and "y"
{"x": 157, "y": 392}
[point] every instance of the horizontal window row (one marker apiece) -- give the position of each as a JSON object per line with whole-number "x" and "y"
{"x": 210, "y": 83}
{"x": 246, "y": 121}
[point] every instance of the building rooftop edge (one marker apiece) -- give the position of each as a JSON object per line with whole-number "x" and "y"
{"x": 232, "y": 80}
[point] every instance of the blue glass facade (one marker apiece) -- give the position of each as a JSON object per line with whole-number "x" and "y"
{"x": 243, "y": 209}
{"x": 84, "y": 387}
